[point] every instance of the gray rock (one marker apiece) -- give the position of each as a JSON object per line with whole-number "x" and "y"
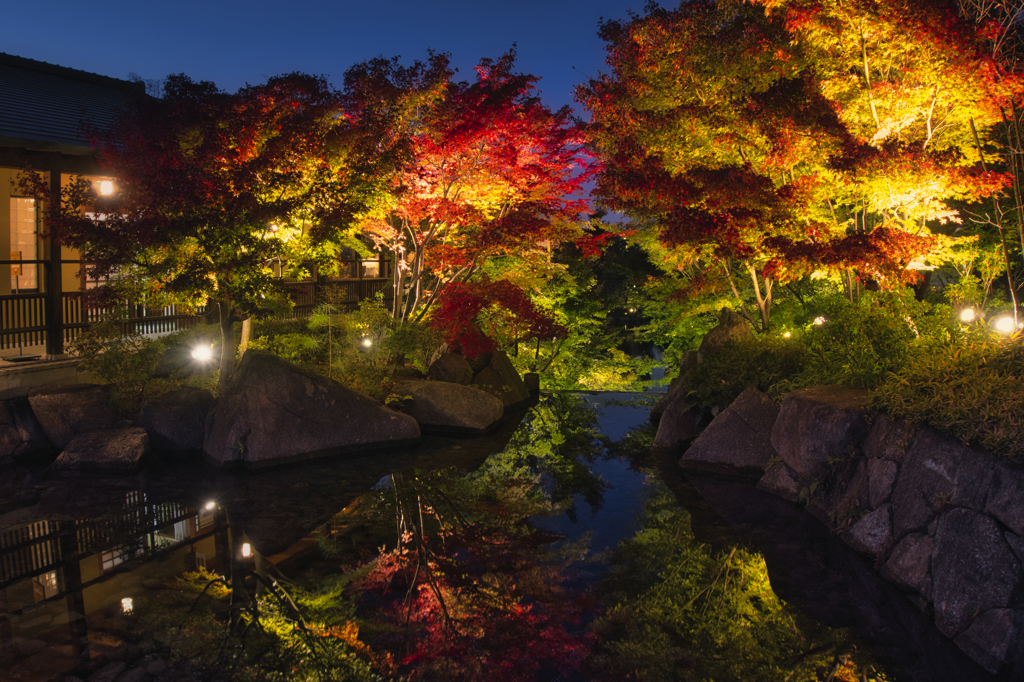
{"x": 449, "y": 408}
{"x": 780, "y": 480}
{"x": 451, "y": 367}
{"x": 1016, "y": 543}
{"x": 175, "y": 420}
{"x": 939, "y": 471}
{"x": 108, "y": 450}
{"x": 991, "y": 639}
{"x": 677, "y": 426}
{"x": 1006, "y": 496}
{"x": 881, "y": 478}
{"x": 889, "y": 438}
{"x": 153, "y": 664}
{"x": 817, "y": 424}
{"x": 33, "y": 440}
{"x": 909, "y": 565}
{"x": 680, "y": 386}
{"x": 731, "y": 327}
{"x": 500, "y": 379}
{"x": 65, "y": 411}
{"x": 738, "y": 440}
{"x": 108, "y": 673}
{"x": 872, "y": 534}
{"x": 973, "y": 569}
{"x": 273, "y": 412}
{"x": 135, "y": 675}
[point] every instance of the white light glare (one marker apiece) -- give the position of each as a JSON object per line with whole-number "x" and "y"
{"x": 819, "y": 320}
{"x": 246, "y": 550}
{"x": 211, "y": 505}
{"x": 367, "y": 342}
{"x": 127, "y": 607}
{"x": 1005, "y": 325}
{"x": 106, "y": 187}
{"x": 202, "y": 353}
{"x": 967, "y": 315}
{"x": 786, "y": 335}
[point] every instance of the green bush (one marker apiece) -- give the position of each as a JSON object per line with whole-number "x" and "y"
{"x": 859, "y": 344}
{"x": 971, "y": 388}
{"x": 761, "y": 362}
{"x": 125, "y": 361}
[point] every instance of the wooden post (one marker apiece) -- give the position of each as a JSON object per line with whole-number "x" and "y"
{"x": 55, "y": 285}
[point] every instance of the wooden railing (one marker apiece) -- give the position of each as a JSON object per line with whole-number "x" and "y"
{"x": 24, "y": 317}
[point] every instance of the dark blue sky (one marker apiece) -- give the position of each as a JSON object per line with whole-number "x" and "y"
{"x": 232, "y": 43}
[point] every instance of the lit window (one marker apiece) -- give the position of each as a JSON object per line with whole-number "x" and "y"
{"x": 24, "y": 244}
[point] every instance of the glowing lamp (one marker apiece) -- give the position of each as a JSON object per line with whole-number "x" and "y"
{"x": 127, "y": 607}
{"x": 211, "y": 505}
{"x": 967, "y": 315}
{"x": 1005, "y": 325}
{"x": 246, "y": 550}
{"x": 202, "y": 353}
{"x": 819, "y": 320}
{"x": 786, "y": 335}
{"x": 106, "y": 187}
{"x": 367, "y": 342}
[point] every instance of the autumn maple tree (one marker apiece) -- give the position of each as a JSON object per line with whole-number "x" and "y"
{"x": 212, "y": 186}
{"x": 784, "y": 137}
{"x": 490, "y": 172}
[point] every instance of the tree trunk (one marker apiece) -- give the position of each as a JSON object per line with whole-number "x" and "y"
{"x": 243, "y": 344}
{"x": 228, "y": 344}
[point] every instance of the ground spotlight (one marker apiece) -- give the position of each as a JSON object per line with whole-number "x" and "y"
{"x": 202, "y": 353}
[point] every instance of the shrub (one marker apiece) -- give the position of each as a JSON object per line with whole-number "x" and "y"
{"x": 970, "y": 388}
{"x": 761, "y": 362}
{"x": 125, "y": 361}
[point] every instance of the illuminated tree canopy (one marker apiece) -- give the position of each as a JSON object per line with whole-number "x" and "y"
{"x": 791, "y": 136}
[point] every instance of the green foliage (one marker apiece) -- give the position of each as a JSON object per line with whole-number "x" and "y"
{"x": 859, "y": 344}
{"x": 761, "y": 362}
{"x": 970, "y": 388}
{"x": 681, "y": 611}
{"x": 363, "y": 349}
{"x": 126, "y": 361}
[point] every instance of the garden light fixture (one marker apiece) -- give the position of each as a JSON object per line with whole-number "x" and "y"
{"x": 106, "y": 188}
{"x": 367, "y": 342}
{"x": 202, "y": 353}
{"x": 127, "y": 607}
{"x": 211, "y": 505}
{"x": 967, "y": 315}
{"x": 786, "y": 335}
{"x": 819, "y": 320}
{"x": 1005, "y": 324}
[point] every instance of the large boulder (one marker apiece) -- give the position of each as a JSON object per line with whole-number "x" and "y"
{"x": 731, "y": 327}
{"x": 738, "y": 441}
{"x": 889, "y": 438}
{"x": 817, "y": 424}
{"x": 21, "y": 437}
{"x": 447, "y": 408}
{"x": 271, "y": 412}
{"x": 451, "y": 367}
{"x": 106, "y": 450}
{"x": 782, "y": 481}
{"x": 66, "y": 410}
{"x": 175, "y": 420}
{"x": 500, "y": 378}
{"x": 973, "y": 569}
{"x": 1006, "y": 496}
{"x": 939, "y": 470}
{"x": 679, "y": 425}
{"x": 991, "y": 640}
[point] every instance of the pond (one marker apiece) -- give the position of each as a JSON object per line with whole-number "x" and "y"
{"x": 558, "y": 548}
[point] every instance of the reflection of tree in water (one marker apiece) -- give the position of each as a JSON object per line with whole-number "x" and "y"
{"x": 677, "y": 610}
{"x": 559, "y": 440}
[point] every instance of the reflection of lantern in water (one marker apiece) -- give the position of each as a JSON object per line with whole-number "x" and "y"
{"x": 210, "y": 505}
{"x": 246, "y": 550}
{"x": 127, "y": 607}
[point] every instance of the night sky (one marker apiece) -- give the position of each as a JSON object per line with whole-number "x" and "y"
{"x": 234, "y": 43}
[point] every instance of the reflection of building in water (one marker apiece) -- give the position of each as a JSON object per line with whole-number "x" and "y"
{"x": 57, "y": 577}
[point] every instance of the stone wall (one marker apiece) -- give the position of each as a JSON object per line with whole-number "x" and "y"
{"x": 941, "y": 520}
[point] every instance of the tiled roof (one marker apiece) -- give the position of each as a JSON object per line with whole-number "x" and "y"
{"x": 43, "y": 106}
